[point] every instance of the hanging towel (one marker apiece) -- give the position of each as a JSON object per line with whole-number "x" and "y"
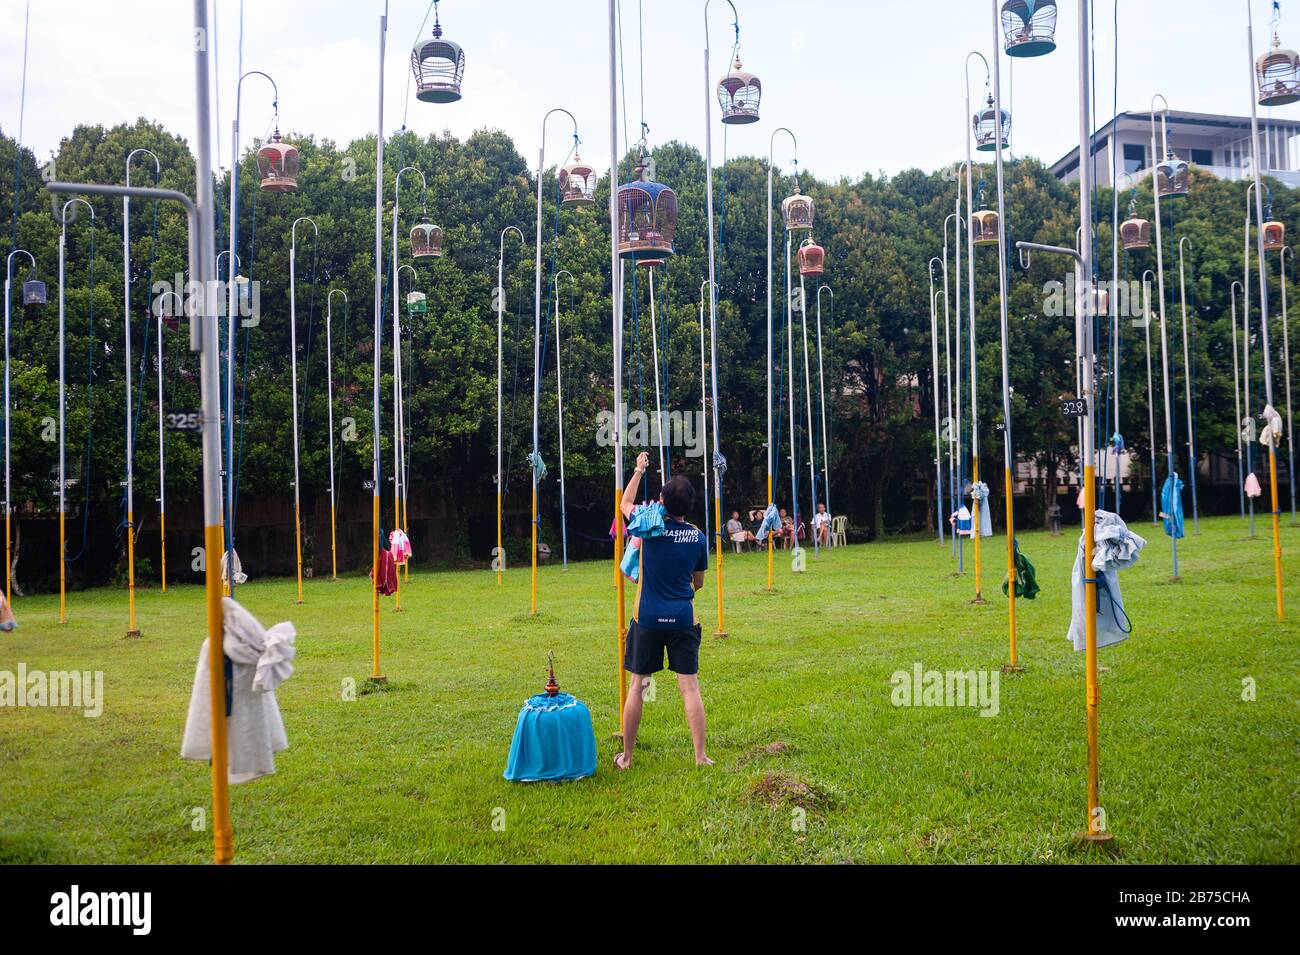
{"x": 963, "y": 520}
{"x": 7, "y": 620}
{"x": 1117, "y": 442}
{"x": 538, "y": 465}
{"x": 979, "y": 491}
{"x": 1115, "y": 547}
{"x": 1026, "y": 576}
{"x": 771, "y": 522}
{"x": 386, "y": 583}
{"x": 400, "y": 546}
{"x": 240, "y": 576}
{"x": 1171, "y": 505}
{"x": 260, "y": 660}
{"x": 647, "y": 521}
{"x": 1252, "y": 485}
{"x": 1271, "y": 434}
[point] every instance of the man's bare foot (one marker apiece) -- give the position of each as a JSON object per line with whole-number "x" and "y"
{"x": 703, "y": 761}
{"x": 622, "y": 761}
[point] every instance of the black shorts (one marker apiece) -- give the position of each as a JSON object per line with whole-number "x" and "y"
{"x": 644, "y": 651}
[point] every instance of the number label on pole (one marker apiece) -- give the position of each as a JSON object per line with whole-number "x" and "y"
{"x": 184, "y": 421}
{"x": 1074, "y": 407}
{"x": 368, "y": 485}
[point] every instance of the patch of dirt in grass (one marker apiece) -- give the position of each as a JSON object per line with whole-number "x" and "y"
{"x": 775, "y": 748}
{"x": 780, "y": 789}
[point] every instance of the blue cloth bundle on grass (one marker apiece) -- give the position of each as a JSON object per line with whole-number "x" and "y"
{"x": 554, "y": 740}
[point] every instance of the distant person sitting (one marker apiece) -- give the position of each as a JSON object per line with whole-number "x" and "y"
{"x": 737, "y": 533}
{"x": 822, "y": 526}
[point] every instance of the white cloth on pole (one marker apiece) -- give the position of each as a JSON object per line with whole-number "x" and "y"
{"x": 260, "y": 661}
{"x": 979, "y": 491}
{"x": 240, "y": 576}
{"x": 1114, "y": 547}
{"x": 1271, "y": 434}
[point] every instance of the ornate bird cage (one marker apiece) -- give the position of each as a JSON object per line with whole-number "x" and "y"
{"x": 984, "y": 227}
{"x": 985, "y": 128}
{"x": 1135, "y": 233}
{"x": 797, "y": 211}
{"x": 1029, "y": 27}
{"x": 277, "y": 163}
{"x": 1278, "y": 75}
{"x": 33, "y": 292}
{"x": 812, "y": 258}
{"x": 738, "y": 94}
{"x": 1274, "y": 236}
{"x": 426, "y": 239}
{"x": 417, "y": 303}
{"x": 1173, "y": 176}
{"x": 438, "y": 66}
{"x": 578, "y": 183}
{"x": 647, "y": 219}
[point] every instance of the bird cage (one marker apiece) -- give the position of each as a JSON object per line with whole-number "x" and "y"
{"x": 812, "y": 258}
{"x": 438, "y": 66}
{"x": 34, "y": 292}
{"x": 417, "y": 303}
{"x": 1029, "y": 27}
{"x": 738, "y": 95}
{"x": 243, "y": 295}
{"x": 985, "y": 128}
{"x": 426, "y": 239}
{"x": 1274, "y": 236}
{"x": 277, "y": 163}
{"x": 1135, "y": 233}
{"x": 1278, "y": 74}
{"x": 797, "y": 211}
{"x": 647, "y": 219}
{"x": 578, "y": 183}
{"x": 984, "y": 227}
{"x": 1172, "y": 177}
{"x": 1101, "y": 301}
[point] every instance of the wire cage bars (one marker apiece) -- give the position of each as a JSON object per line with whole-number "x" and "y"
{"x": 577, "y": 183}
{"x": 647, "y": 219}
{"x": 426, "y": 239}
{"x": 277, "y": 164}
{"x": 797, "y": 212}
{"x": 984, "y": 227}
{"x": 438, "y": 67}
{"x": 1029, "y": 27}
{"x": 984, "y": 125}
{"x": 739, "y": 93}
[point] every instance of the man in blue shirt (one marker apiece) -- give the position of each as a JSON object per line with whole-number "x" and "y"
{"x": 672, "y": 566}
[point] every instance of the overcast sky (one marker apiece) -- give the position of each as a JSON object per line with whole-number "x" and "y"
{"x": 872, "y": 85}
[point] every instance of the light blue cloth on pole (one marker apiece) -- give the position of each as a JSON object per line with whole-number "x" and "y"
{"x": 1114, "y": 548}
{"x": 647, "y": 521}
{"x": 554, "y": 740}
{"x": 979, "y": 491}
{"x": 771, "y": 522}
{"x": 538, "y": 465}
{"x": 1171, "y": 505}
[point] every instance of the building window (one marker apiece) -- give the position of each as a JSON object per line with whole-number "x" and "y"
{"x": 1135, "y": 157}
{"x": 1203, "y": 157}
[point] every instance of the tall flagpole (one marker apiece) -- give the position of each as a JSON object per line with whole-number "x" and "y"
{"x": 1187, "y": 377}
{"x": 821, "y": 390}
{"x": 934, "y": 365}
{"x": 63, "y": 404}
{"x": 329, "y": 411}
{"x": 293, "y": 382}
{"x": 1286, "y": 359}
{"x": 1164, "y": 337}
{"x": 616, "y": 308}
{"x": 559, "y": 417}
{"x": 771, "y": 448}
{"x": 8, "y": 502}
{"x": 807, "y": 404}
{"x": 499, "y": 557}
{"x": 970, "y": 293}
{"x": 1236, "y": 397}
{"x": 378, "y": 339}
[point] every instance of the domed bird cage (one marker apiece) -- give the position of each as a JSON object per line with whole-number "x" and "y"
{"x": 984, "y": 227}
{"x": 1135, "y": 233}
{"x": 438, "y": 66}
{"x": 812, "y": 258}
{"x": 738, "y": 94}
{"x": 426, "y": 239}
{"x": 1173, "y": 176}
{"x": 1029, "y": 27}
{"x": 1278, "y": 72}
{"x": 578, "y": 182}
{"x": 33, "y": 292}
{"x": 1274, "y": 236}
{"x": 277, "y": 163}
{"x": 647, "y": 219}
{"x": 797, "y": 211}
{"x": 986, "y": 131}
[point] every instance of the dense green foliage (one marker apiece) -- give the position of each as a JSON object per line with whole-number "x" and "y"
{"x": 879, "y": 233}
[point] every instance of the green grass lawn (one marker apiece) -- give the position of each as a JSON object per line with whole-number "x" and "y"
{"x": 800, "y": 720}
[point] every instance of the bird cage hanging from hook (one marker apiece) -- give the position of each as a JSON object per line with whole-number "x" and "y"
{"x": 1173, "y": 176}
{"x": 985, "y": 128}
{"x": 34, "y": 292}
{"x": 438, "y": 66}
{"x": 1277, "y": 72}
{"x": 417, "y": 303}
{"x": 797, "y": 211}
{"x": 277, "y": 164}
{"x": 812, "y": 258}
{"x": 1135, "y": 232}
{"x": 984, "y": 227}
{"x": 1029, "y": 27}
{"x": 577, "y": 183}
{"x": 647, "y": 218}
{"x": 739, "y": 93}
{"x": 1274, "y": 235}
{"x": 426, "y": 239}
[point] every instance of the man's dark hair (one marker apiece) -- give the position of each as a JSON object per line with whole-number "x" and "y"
{"x": 678, "y": 495}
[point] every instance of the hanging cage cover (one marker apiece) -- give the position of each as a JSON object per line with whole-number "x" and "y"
{"x": 438, "y": 66}
{"x": 1029, "y": 27}
{"x": 1135, "y": 234}
{"x": 417, "y": 302}
{"x": 812, "y": 258}
{"x": 647, "y": 220}
{"x": 797, "y": 211}
{"x": 739, "y": 93}
{"x": 1173, "y": 177}
{"x": 277, "y": 164}
{"x": 1274, "y": 235}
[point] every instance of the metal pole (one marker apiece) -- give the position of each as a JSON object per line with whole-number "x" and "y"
{"x": 958, "y": 491}
{"x": 378, "y": 341}
{"x": 559, "y": 416}
{"x": 1164, "y": 338}
{"x": 821, "y": 388}
{"x": 616, "y": 303}
{"x": 794, "y": 435}
{"x": 500, "y": 555}
{"x": 399, "y": 436}
{"x": 934, "y": 364}
{"x": 1263, "y": 312}
{"x": 704, "y": 423}
{"x": 1286, "y": 359}
{"x": 807, "y": 404}
{"x": 404, "y": 422}
{"x": 1245, "y": 328}
{"x": 1187, "y": 377}
{"x": 970, "y": 291}
{"x": 771, "y": 449}
{"x": 329, "y": 410}
{"x": 8, "y": 503}
{"x": 654, "y": 353}
{"x": 1236, "y": 397}
{"x": 293, "y": 381}
{"x": 1151, "y": 401}
{"x": 63, "y": 403}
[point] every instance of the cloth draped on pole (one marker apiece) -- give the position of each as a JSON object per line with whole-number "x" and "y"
{"x": 647, "y": 521}
{"x": 399, "y": 545}
{"x": 771, "y": 522}
{"x": 1115, "y": 547}
{"x": 1253, "y": 488}
{"x": 1171, "y": 506}
{"x": 538, "y": 465}
{"x": 1271, "y": 433}
{"x": 260, "y": 659}
{"x": 230, "y": 562}
{"x": 979, "y": 491}
{"x": 1026, "y": 576}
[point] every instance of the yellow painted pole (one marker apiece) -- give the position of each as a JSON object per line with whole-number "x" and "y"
{"x": 63, "y": 571}
{"x": 374, "y": 590}
{"x": 406, "y": 523}
{"x": 297, "y": 539}
{"x": 770, "y": 552}
{"x": 397, "y": 516}
{"x": 9, "y": 562}
{"x": 223, "y": 836}
{"x": 1094, "y": 831}
{"x": 620, "y": 627}
{"x": 717, "y": 534}
{"x": 1277, "y": 531}
{"x": 532, "y": 609}
{"x": 1014, "y": 665}
{"x": 334, "y": 554}
{"x": 162, "y": 546}
{"x": 130, "y": 573}
{"x": 500, "y": 553}
{"x": 975, "y": 529}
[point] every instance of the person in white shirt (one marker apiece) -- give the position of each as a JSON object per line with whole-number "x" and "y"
{"x": 822, "y": 526}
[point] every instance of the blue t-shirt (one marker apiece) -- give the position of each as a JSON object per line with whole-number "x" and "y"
{"x": 664, "y": 591}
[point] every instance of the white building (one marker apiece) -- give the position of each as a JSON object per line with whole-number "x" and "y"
{"x": 1219, "y": 145}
